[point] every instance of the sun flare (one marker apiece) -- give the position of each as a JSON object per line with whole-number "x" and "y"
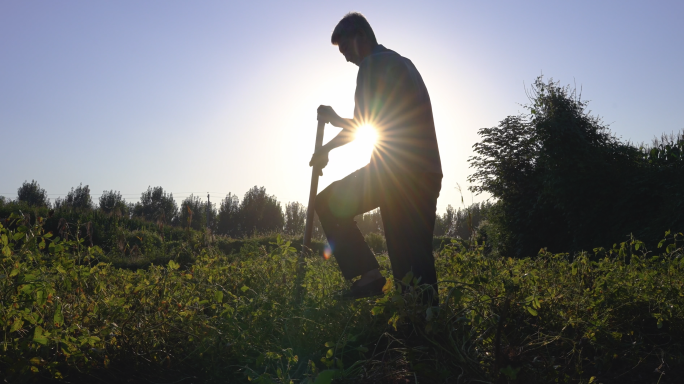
{"x": 366, "y": 136}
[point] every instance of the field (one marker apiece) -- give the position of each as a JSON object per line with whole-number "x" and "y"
{"x": 206, "y": 313}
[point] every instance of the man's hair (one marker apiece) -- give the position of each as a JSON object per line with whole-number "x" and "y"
{"x": 349, "y": 27}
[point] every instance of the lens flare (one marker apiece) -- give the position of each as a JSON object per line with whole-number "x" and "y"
{"x": 327, "y": 252}
{"x": 366, "y": 135}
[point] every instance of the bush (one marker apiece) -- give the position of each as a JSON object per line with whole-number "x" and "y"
{"x": 376, "y": 242}
{"x": 157, "y": 206}
{"x": 195, "y": 213}
{"x": 256, "y": 316}
{"x": 260, "y": 213}
{"x": 32, "y": 194}
{"x": 228, "y": 219}
{"x": 78, "y": 198}
{"x": 564, "y": 182}
{"x": 295, "y": 219}
{"x": 112, "y": 202}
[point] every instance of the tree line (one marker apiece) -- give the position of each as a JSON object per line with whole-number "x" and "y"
{"x": 558, "y": 177}
{"x": 257, "y": 213}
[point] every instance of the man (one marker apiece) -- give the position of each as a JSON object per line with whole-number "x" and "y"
{"x": 404, "y": 175}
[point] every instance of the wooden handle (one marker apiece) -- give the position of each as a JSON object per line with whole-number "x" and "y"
{"x": 308, "y": 230}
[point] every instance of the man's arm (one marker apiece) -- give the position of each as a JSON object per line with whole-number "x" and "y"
{"x": 320, "y": 158}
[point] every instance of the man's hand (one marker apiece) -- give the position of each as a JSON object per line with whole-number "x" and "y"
{"x": 327, "y": 114}
{"x": 319, "y": 160}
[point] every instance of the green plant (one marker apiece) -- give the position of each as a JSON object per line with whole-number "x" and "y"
{"x": 563, "y": 182}
{"x": 68, "y": 314}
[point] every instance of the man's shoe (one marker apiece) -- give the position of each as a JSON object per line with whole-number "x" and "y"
{"x": 374, "y": 288}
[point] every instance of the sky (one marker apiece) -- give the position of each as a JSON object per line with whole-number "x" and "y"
{"x": 218, "y": 96}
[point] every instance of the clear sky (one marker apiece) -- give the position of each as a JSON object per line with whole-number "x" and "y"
{"x": 220, "y": 96}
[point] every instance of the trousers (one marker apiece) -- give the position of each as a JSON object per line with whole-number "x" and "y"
{"x": 407, "y": 203}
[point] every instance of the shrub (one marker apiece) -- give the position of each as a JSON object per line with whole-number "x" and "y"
{"x": 260, "y": 213}
{"x": 113, "y": 202}
{"x": 376, "y": 242}
{"x": 68, "y": 316}
{"x": 295, "y": 219}
{"x": 228, "y": 218}
{"x": 78, "y": 198}
{"x": 562, "y": 180}
{"x": 195, "y": 213}
{"x": 32, "y": 194}
{"x": 157, "y": 206}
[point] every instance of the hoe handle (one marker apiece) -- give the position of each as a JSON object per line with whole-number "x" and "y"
{"x": 313, "y": 191}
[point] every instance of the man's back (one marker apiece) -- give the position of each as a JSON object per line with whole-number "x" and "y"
{"x": 391, "y": 95}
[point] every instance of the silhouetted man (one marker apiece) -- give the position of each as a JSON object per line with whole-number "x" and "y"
{"x": 404, "y": 175}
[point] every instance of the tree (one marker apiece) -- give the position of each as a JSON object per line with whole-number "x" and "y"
{"x": 556, "y": 172}
{"x": 156, "y": 205}
{"x": 78, "y": 198}
{"x": 113, "y": 202}
{"x": 193, "y": 213}
{"x": 295, "y": 219}
{"x": 32, "y": 194}
{"x": 228, "y": 218}
{"x": 466, "y": 222}
{"x": 261, "y": 213}
{"x": 370, "y": 222}
{"x": 445, "y": 223}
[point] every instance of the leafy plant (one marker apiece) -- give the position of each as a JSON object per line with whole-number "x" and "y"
{"x": 564, "y": 182}
{"x": 32, "y": 194}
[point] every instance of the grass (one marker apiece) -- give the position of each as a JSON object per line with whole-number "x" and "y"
{"x": 68, "y": 313}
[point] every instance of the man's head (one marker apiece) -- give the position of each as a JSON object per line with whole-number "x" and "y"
{"x": 354, "y": 37}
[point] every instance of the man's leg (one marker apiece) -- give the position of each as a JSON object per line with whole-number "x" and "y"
{"x": 408, "y": 215}
{"x": 336, "y": 207}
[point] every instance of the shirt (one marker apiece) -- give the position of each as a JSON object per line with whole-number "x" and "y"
{"x": 391, "y": 96}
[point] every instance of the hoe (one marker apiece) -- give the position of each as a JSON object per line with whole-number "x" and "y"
{"x": 306, "y": 246}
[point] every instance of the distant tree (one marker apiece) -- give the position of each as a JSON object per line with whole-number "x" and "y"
{"x": 462, "y": 223}
{"x": 261, "y": 213}
{"x": 228, "y": 218}
{"x": 467, "y": 221}
{"x": 78, "y": 198}
{"x": 445, "y": 223}
{"x": 295, "y": 218}
{"x": 193, "y": 213}
{"x": 317, "y": 231}
{"x": 32, "y": 194}
{"x": 156, "y": 205}
{"x": 113, "y": 202}
{"x": 370, "y": 222}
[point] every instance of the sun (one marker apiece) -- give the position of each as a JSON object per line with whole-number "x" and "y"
{"x": 356, "y": 153}
{"x": 366, "y": 136}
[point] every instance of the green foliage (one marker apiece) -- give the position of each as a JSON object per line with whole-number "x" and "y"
{"x": 666, "y": 151}
{"x": 78, "y": 198}
{"x": 295, "y": 219}
{"x": 112, "y": 202}
{"x": 462, "y": 223}
{"x": 370, "y": 222}
{"x": 564, "y": 182}
{"x": 376, "y": 242}
{"x": 69, "y": 315}
{"x": 32, "y": 194}
{"x": 156, "y": 206}
{"x": 228, "y": 219}
{"x": 260, "y": 213}
{"x": 195, "y": 213}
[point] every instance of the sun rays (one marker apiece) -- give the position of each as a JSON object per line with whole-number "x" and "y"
{"x": 366, "y": 136}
